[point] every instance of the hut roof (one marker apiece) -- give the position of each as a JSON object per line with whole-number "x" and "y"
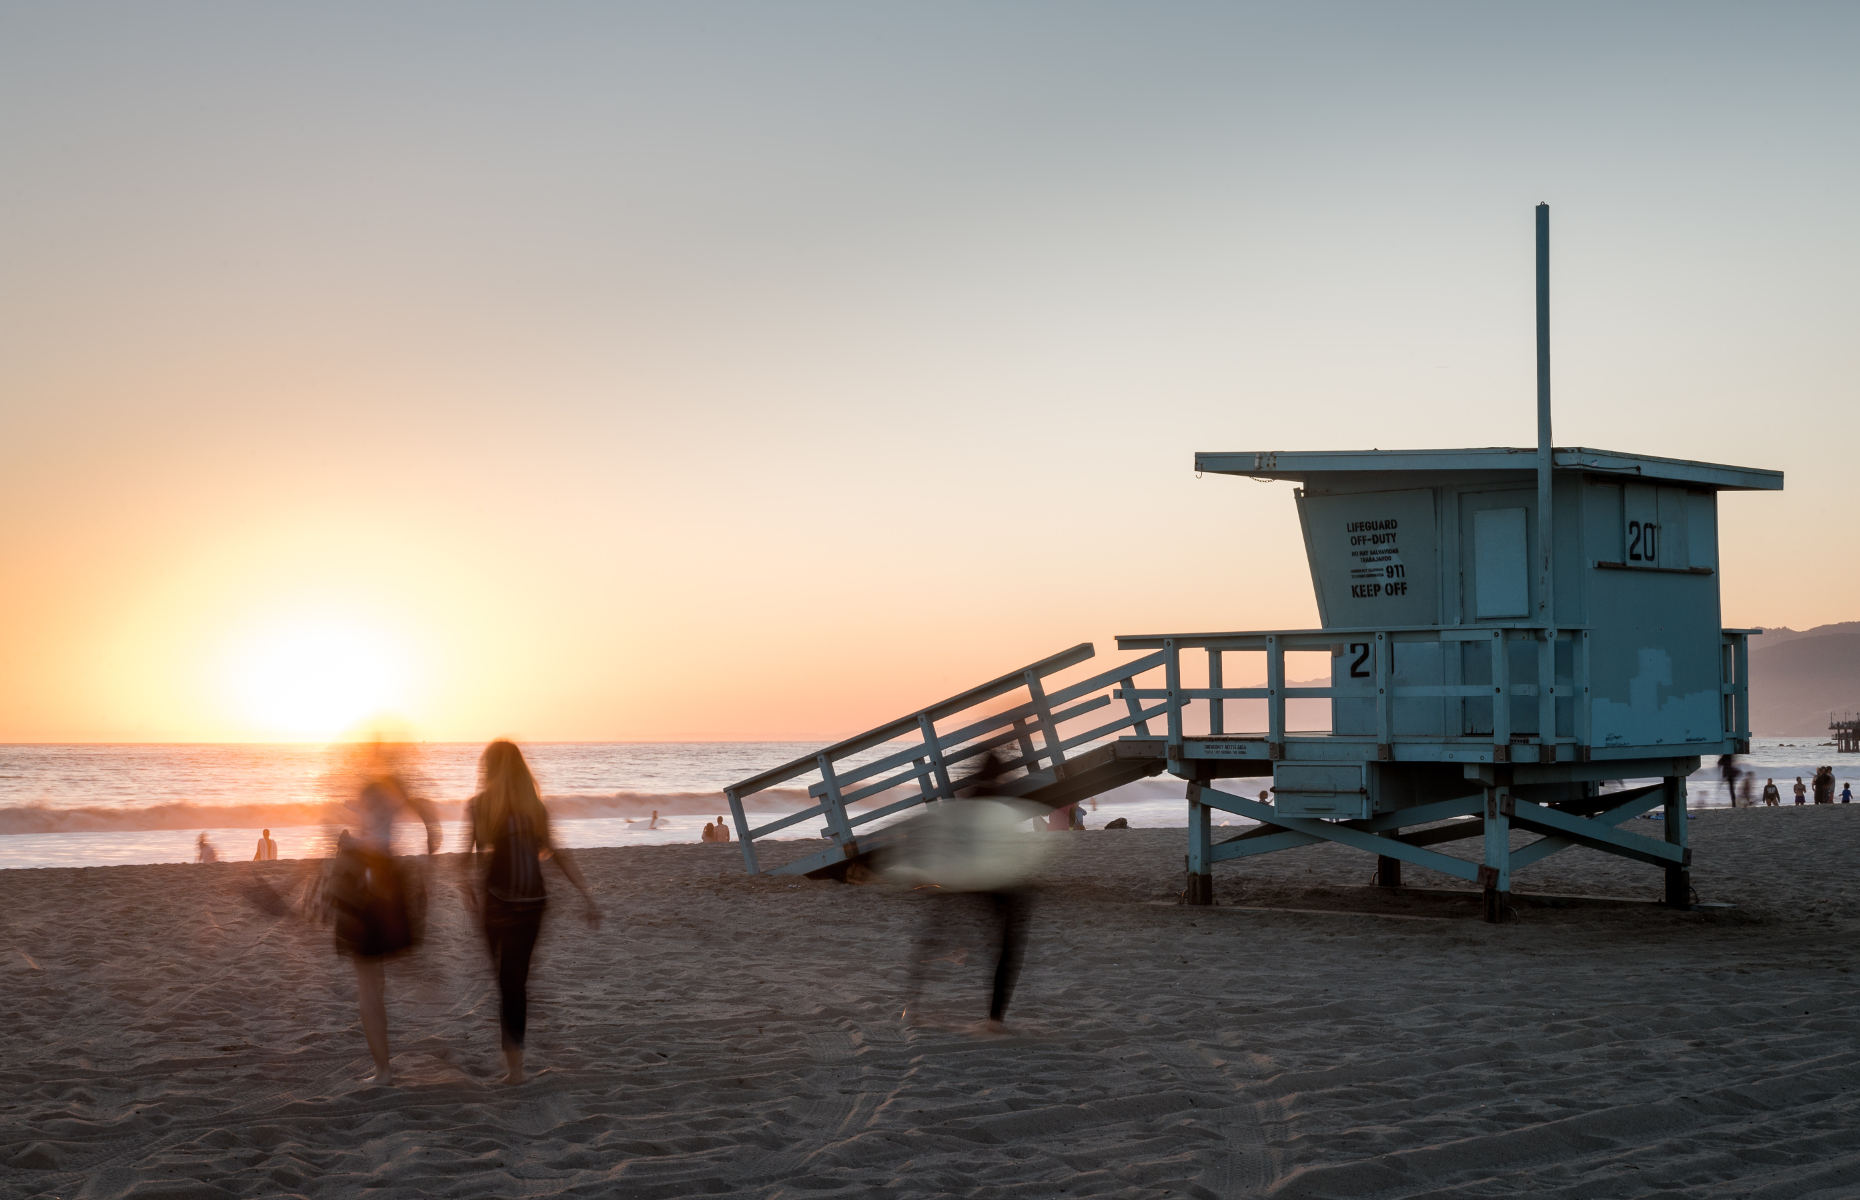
{"x": 1488, "y": 461}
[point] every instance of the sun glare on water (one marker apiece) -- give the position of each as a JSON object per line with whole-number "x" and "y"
{"x": 314, "y": 680}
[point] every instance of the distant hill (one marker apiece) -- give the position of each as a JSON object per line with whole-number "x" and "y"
{"x": 1798, "y": 676}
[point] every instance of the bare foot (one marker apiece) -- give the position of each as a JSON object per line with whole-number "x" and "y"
{"x": 383, "y": 1076}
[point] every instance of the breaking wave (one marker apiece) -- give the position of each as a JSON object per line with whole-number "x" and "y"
{"x": 46, "y": 818}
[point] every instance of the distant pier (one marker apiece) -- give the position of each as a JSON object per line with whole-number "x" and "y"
{"x": 1846, "y": 730}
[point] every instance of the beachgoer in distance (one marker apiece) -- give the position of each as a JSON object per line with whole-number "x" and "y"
{"x": 1727, "y": 767}
{"x": 510, "y": 830}
{"x": 1801, "y": 793}
{"x": 654, "y": 823}
{"x": 1771, "y": 796}
{"x": 1847, "y": 793}
{"x": 378, "y": 901}
{"x": 723, "y": 831}
{"x": 267, "y": 849}
{"x": 204, "y": 851}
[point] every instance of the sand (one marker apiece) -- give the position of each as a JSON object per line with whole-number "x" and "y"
{"x": 722, "y": 1035}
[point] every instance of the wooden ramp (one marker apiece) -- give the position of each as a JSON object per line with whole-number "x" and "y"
{"x": 1082, "y": 776}
{"x": 1057, "y": 740}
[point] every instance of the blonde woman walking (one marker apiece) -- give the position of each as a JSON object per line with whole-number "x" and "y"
{"x": 509, "y": 843}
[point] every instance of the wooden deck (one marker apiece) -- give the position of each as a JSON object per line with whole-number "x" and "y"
{"x": 1379, "y": 789}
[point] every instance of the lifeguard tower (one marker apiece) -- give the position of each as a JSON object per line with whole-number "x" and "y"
{"x": 1506, "y": 630}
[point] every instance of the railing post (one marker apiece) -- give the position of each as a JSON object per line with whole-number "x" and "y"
{"x": 1727, "y": 687}
{"x": 1172, "y": 684}
{"x": 1217, "y": 707}
{"x": 1275, "y": 698}
{"x": 1023, "y": 737}
{"x": 1579, "y": 693}
{"x": 1501, "y": 696}
{"x": 1044, "y": 712}
{"x": 945, "y": 787}
{"x": 741, "y": 820}
{"x": 1546, "y": 696}
{"x": 1741, "y": 652}
{"x": 1385, "y": 647}
{"x": 1135, "y": 706}
{"x": 836, "y": 807}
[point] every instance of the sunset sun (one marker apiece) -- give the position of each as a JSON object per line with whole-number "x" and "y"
{"x": 312, "y": 680}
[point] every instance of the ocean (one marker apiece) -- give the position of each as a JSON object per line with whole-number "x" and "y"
{"x": 99, "y": 805}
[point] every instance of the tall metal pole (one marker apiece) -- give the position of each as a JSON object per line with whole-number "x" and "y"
{"x": 1546, "y": 600}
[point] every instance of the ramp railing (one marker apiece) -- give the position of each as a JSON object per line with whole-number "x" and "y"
{"x": 1473, "y": 678}
{"x": 918, "y": 759}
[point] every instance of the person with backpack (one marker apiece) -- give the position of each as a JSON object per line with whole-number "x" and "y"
{"x": 376, "y": 901}
{"x": 509, "y": 830}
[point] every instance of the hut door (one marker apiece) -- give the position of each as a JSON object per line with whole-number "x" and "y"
{"x": 1495, "y": 587}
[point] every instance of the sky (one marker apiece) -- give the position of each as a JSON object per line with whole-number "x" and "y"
{"x": 696, "y": 371}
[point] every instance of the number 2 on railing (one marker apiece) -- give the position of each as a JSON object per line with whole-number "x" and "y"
{"x": 1362, "y": 666}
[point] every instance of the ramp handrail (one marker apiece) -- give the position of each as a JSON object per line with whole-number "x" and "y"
{"x": 1034, "y": 729}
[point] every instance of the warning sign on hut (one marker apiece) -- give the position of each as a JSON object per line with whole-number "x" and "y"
{"x": 1375, "y": 557}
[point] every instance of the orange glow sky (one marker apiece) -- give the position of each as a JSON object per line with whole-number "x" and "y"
{"x": 744, "y": 371}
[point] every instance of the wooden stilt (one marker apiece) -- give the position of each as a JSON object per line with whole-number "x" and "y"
{"x": 1495, "y": 873}
{"x": 1200, "y": 887}
{"x": 1388, "y": 870}
{"x": 1678, "y": 879}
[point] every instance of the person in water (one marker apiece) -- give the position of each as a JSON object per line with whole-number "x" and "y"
{"x": 1771, "y": 797}
{"x": 378, "y": 901}
{"x": 267, "y": 849}
{"x": 510, "y": 841}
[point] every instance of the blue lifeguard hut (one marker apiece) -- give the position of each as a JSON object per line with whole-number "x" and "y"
{"x": 1506, "y": 630}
